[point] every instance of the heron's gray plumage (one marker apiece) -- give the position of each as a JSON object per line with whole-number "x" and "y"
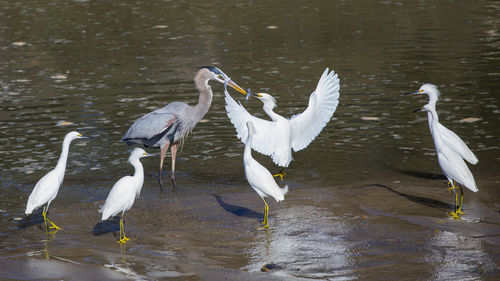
{"x": 170, "y": 125}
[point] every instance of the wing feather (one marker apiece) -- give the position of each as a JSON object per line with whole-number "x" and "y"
{"x": 264, "y": 141}
{"x": 322, "y": 104}
{"x": 455, "y": 143}
{"x": 154, "y": 123}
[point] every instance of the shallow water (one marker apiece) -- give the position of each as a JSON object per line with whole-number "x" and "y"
{"x": 367, "y": 199}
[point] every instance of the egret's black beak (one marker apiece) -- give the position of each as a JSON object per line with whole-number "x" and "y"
{"x": 417, "y": 110}
{"x": 412, "y": 93}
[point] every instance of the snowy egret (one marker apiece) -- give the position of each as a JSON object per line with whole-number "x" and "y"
{"x": 47, "y": 187}
{"x": 448, "y": 137}
{"x": 451, "y": 162}
{"x": 279, "y": 136}
{"x": 170, "y": 125}
{"x": 124, "y": 191}
{"x": 259, "y": 177}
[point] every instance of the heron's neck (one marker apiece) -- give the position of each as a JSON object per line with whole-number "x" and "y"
{"x": 436, "y": 136}
{"x": 138, "y": 169}
{"x": 61, "y": 163}
{"x": 268, "y": 109}
{"x": 247, "y": 154}
{"x": 204, "y": 101}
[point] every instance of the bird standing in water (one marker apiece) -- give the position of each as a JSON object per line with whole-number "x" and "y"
{"x": 279, "y": 136}
{"x": 448, "y": 137}
{"x": 451, "y": 162}
{"x": 259, "y": 177}
{"x": 170, "y": 125}
{"x": 124, "y": 191}
{"x": 47, "y": 187}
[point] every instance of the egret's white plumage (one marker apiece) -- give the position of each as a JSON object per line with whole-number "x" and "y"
{"x": 47, "y": 187}
{"x": 125, "y": 190}
{"x": 259, "y": 177}
{"x": 450, "y": 161}
{"x": 449, "y": 138}
{"x": 278, "y": 136}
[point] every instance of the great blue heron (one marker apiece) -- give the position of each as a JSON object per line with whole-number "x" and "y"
{"x": 47, "y": 187}
{"x": 171, "y": 124}
{"x": 449, "y": 138}
{"x": 279, "y": 136}
{"x": 259, "y": 177}
{"x": 124, "y": 191}
{"x": 451, "y": 162}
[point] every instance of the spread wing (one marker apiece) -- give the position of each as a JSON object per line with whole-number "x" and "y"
{"x": 322, "y": 104}
{"x": 264, "y": 140}
{"x": 454, "y": 142}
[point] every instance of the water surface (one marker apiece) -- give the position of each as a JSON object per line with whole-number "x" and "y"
{"x": 367, "y": 199}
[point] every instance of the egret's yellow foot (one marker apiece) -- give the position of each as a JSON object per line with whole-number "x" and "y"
{"x": 281, "y": 174}
{"x": 459, "y": 212}
{"x": 53, "y": 225}
{"x": 121, "y": 241}
{"x": 454, "y": 215}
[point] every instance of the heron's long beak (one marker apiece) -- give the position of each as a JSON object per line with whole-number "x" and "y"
{"x": 417, "y": 110}
{"x": 416, "y": 92}
{"x": 257, "y": 95}
{"x": 80, "y": 136}
{"x": 236, "y": 87}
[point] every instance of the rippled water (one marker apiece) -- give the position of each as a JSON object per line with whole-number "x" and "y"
{"x": 96, "y": 66}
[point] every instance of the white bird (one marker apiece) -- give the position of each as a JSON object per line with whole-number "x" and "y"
{"x": 279, "y": 136}
{"x": 47, "y": 187}
{"x": 259, "y": 177}
{"x": 451, "y": 162}
{"x": 449, "y": 138}
{"x": 124, "y": 191}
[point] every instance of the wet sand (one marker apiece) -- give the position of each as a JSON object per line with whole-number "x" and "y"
{"x": 370, "y": 231}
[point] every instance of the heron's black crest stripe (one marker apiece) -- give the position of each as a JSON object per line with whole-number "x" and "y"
{"x": 213, "y": 69}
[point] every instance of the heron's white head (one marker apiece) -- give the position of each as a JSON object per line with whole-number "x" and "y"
{"x": 427, "y": 108}
{"x": 267, "y": 99}
{"x": 138, "y": 153}
{"x": 73, "y": 135}
{"x": 213, "y": 73}
{"x": 251, "y": 128}
{"x": 430, "y": 90}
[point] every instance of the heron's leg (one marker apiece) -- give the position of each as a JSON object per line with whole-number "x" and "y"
{"x": 451, "y": 186}
{"x": 459, "y": 211}
{"x": 46, "y": 219}
{"x": 173, "y": 150}
{"x": 163, "y": 152}
{"x": 454, "y": 213}
{"x": 266, "y": 214}
{"x": 281, "y": 174}
{"x": 123, "y": 238}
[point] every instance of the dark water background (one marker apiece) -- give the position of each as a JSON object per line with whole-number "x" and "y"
{"x": 366, "y": 198}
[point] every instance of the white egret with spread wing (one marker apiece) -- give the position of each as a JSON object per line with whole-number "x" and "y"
{"x": 124, "y": 191}
{"x": 278, "y": 136}
{"x": 47, "y": 187}
{"x": 259, "y": 177}
{"x": 169, "y": 125}
{"x": 450, "y": 161}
